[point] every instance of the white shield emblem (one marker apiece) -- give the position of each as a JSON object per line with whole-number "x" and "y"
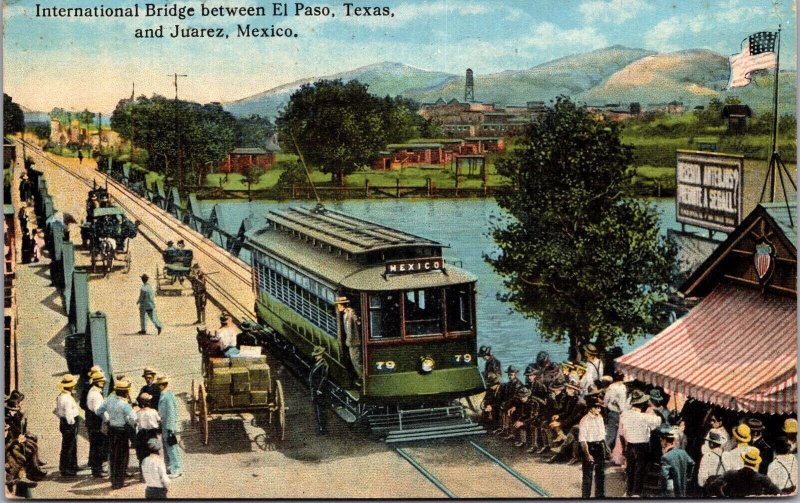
{"x": 763, "y": 261}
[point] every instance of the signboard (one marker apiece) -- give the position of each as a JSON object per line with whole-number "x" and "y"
{"x": 709, "y": 190}
{"x": 414, "y": 265}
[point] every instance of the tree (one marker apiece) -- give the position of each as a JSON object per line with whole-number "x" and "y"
{"x": 254, "y": 131}
{"x": 86, "y": 117}
{"x": 13, "y": 117}
{"x": 577, "y": 253}
{"x": 338, "y": 127}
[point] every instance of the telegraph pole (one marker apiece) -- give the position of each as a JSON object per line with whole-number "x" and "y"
{"x": 177, "y": 132}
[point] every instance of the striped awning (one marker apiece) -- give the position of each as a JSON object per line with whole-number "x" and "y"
{"x": 736, "y": 349}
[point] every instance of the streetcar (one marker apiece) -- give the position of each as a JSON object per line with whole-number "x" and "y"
{"x": 396, "y": 321}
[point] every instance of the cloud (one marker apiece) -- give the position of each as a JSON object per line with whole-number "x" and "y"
{"x": 614, "y": 11}
{"x": 546, "y": 35}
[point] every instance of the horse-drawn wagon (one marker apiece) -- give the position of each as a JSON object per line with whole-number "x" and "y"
{"x": 177, "y": 264}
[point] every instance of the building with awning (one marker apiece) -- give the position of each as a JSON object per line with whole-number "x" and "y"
{"x": 737, "y": 348}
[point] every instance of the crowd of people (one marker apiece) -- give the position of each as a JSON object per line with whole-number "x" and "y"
{"x": 118, "y": 422}
{"x": 579, "y": 413}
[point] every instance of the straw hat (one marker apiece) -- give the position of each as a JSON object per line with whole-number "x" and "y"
{"x": 714, "y": 438}
{"x": 122, "y": 385}
{"x": 590, "y": 349}
{"x": 95, "y": 368}
{"x": 790, "y": 425}
{"x": 162, "y": 379}
{"x": 97, "y": 376}
{"x": 742, "y": 434}
{"x": 148, "y": 372}
{"x": 751, "y": 457}
{"x": 68, "y": 381}
{"x": 638, "y": 398}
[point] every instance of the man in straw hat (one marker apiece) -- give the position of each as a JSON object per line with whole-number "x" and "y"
{"x": 746, "y": 481}
{"x": 676, "y": 465}
{"x": 150, "y": 387}
{"x": 98, "y": 441}
{"x": 227, "y": 332}
{"x": 711, "y": 462}
{"x": 154, "y": 472}
{"x": 168, "y": 410}
{"x": 635, "y": 426}
{"x": 594, "y": 368}
{"x": 732, "y": 459}
{"x": 147, "y": 306}
{"x": 591, "y": 437}
{"x": 766, "y": 450}
{"x": 790, "y": 430}
{"x": 197, "y": 278}
{"x": 69, "y": 417}
{"x": 318, "y": 382}
{"x": 120, "y": 414}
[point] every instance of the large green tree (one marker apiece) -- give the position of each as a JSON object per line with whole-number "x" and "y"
{"x": 339, "y": 127}
{"x": 254, "y": 131}
{"x": 183, "y": 139}
{"x": 13, "y": 117}
{"x": 578, "y": 254}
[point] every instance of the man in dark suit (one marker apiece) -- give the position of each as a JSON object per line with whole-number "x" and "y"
{"x": 318, "y": 382}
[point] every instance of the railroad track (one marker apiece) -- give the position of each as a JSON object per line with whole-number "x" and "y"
{"x": 158, "y": 226}
{"x": 496, "y": 474}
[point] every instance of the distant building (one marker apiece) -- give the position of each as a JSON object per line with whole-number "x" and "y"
{"x": 242, "y": 159}
{"x": 737, "y": 117}
{"x": 464, "y": 120}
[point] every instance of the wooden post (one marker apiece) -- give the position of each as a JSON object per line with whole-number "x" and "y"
{"x": 293, "y": 191}
{"x": 428, "y": 185}
{"x": 397, "y": 189}
{"x": 366, "y": 187}
{"x": 457, "y": 166}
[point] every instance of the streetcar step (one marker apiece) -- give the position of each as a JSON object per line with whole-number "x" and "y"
{"x": 430, "y": 434}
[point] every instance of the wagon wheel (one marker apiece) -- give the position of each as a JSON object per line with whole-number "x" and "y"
{"x": 279, "y": 408}
{"x": 193, "y": 402}
{"x": 127, "y": 262}
{"x": 203, "y": 412}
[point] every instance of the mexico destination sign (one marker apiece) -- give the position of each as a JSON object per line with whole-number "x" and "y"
{"x": 709, "y": 190}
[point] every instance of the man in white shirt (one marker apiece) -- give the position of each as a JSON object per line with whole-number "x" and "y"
{"x": 635, "y": 426}
{"x": 783, "y": 469}
{"x": 98, "y": 442}
{"x": 594, "y": 368}
{"x": 591, "y": 437}
{"x": 711, "y": 462}
{"x": 154, "y": 472}
{"x": 732, "y": 459}
{"x": 615, "y": 401}
{"x": 227, "y": 332}
{"x": 69, "y": 417}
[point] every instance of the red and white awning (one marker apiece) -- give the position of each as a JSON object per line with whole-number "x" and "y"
{"x": 736, "y": 349}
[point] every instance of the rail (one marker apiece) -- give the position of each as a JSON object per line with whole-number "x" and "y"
{"x": 421, "y": 469}
{"x": 529, "y": 483}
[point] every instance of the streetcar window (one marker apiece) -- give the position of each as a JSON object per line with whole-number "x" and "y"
{"x": 459, "y": 308}
{"x": 423, "y": 312}
{"x": 384, "y": 316}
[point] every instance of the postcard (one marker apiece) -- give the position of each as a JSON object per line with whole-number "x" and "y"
{"x": 400, "y": 249}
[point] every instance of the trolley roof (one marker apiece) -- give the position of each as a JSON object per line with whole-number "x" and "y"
{"x": 104, "y": 212}
{"x": 343, "y": 232}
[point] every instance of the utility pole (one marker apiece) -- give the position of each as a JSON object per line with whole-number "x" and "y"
{"x": 177, "y": 132}
{"x": 133, "y": 92}
{"x": 100, "y": 131}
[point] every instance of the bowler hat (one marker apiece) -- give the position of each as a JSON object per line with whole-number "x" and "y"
{"x": 656, "y": 397}
{"x": 224, "y": 316}
{"x": 742, "y": 434}
{"x": 530, "y": 370}
{"x": 751, "y": 456}
{"x": 12, "y": 405}
{"x": 148, "y": 372}
{"x": 144, "y": 277}
{"x": 16, "y": 395}
{"x": 67, "y": 381}
{"x": 484, "y": 351}
{"x": 790, "y": 425}
{"x": 714, "y": 438}
{"x": 667, "y": 433}
{"x": 755, "y": 424}
{"x": 638, "y": 398}
{"x": 593, "y": 390}
{"x": 492, "y": 379}
{"x": 170, "y": 243}
{"x": 512, "y": 370}
{"x": 162, "y": 379}
{"x": 318, "y": 350}
{"x": 557, "y": 384}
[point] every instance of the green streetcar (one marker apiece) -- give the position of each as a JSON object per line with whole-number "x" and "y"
{"x": 397, "y": 323}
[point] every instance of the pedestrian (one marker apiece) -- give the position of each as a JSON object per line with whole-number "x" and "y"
{"x": 594, "y": 368}
{"x": 790, "y": 430}
{"x": 508, "y": 391}
{"x": 615, "y": 401}
{"x": 635, "y": 427}
{"x": 732, "y": 459}
{"x": 80, "y": 156}
{"x": 150, "y": 387}
{"x": 711, "y": 463}
{"x": 227, "y": 333}
{"x": 154, "y": 472}
{"x": 147, "y": 306}
{"x": 38, "y": 245}
{"x": 492, "y": 363}
{"x": 69, "y": 418}
{"x": 98, "y": 441}
{"x": 765, "y": 450}
{"x": 714, "y": 425}
{"x": 197, "y": 278}
{"x": 25, "y": 191}
{"x": 120, "y": 417}
{"x": 148, "y": 425}
{"x": 318, "y": 382}
{"x": 491, "y": 402}
{"x": 676, "y": 465}
{"x": 783, "y": 469}
{"x": 591, "y": 437}
{"x": 746, "y": 481}
{"x": 168, "y": 410}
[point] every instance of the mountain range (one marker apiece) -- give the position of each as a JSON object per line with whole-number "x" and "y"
{"x": 615, "y": 74}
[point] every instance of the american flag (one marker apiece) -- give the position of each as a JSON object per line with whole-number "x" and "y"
{"x": 758, "y": 53}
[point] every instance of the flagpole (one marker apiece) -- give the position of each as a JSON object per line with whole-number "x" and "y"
{"x": 774, "y": 154}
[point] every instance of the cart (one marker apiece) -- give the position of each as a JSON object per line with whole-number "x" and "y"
{"x": 204, "y": 404}
{"x": 107, "y": 235}
{"x": 170, "y": 278}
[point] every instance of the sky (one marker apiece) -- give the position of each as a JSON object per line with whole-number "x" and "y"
{"x": 78, "y": 63}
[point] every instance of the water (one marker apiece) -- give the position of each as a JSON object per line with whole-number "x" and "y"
{"x": 464, "y": 226}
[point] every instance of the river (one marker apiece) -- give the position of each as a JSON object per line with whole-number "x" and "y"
{"x": 463, "y": 225}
